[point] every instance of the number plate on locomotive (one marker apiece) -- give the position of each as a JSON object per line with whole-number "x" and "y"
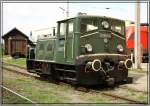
{"x": 105, "y": 35}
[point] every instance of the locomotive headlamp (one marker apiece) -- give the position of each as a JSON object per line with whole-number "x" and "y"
{"x": 105, "y": 40}
{"x": 95, "y": 65}
{"x": 120, "y": 48}
{"x": 88, "y": 47}
{"x": 105, "y": 24}
{"x": 128, "y": 63}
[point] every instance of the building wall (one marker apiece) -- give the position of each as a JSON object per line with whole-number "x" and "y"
{"x": 16, "y": 43}
{"x": 6, "y": 46}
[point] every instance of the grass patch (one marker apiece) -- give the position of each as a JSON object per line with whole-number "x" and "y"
{"x": 97, "y": 98}
{"x": 46, "y": 92}
{"x": 142, "y": 70}
{"x": 11, "y": 98}
{"x": 36, "y": 90}
{"x": 138, "y": 96}
{"x": 6, "y": 56}
{"x": 19, "y": 61}
{"x": 101, "y": 99}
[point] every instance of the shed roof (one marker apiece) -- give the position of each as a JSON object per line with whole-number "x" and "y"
{"x": 12, "y": 31}
{"x": 9, "y": 33}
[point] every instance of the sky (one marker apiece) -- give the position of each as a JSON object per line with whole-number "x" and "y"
{"x": 28, "y": 17}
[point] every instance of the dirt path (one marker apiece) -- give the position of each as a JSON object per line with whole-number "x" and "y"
{"x": 140, "y": 81}
{"x": 76, "y": 98}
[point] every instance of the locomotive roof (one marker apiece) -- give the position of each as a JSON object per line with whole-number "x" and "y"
{"x": 90, "y": 16}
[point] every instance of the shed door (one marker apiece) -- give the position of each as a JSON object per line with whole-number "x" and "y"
{"x": 18, "y": 46}
{"x": 69, "y": 42}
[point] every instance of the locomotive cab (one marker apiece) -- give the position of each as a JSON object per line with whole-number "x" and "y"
{"x": 103, "y": 50}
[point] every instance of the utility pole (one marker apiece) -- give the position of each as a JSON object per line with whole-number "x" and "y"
{"x": 62, "y": 9}
{"x": 137, "y": 44}
{"x": 67, "y": 12}
{"x": 107, "y": 12}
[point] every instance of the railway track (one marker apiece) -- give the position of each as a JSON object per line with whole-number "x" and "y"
{"x": 135, "y": 90}
{"x": 36, "y": 76}
{"x": 84, "y": 89}
{"x": 120, "y": 97}
{"x": 4, "y": 63}
{"x": 115, "y": 96}
{"x": 18, "y": 72}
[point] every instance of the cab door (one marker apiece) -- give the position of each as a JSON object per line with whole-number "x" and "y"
{"x": 61, "y": 42}
{"x": 69, "y": 44}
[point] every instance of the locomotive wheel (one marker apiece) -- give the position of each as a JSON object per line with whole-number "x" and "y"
{"x": 129, "y": 80}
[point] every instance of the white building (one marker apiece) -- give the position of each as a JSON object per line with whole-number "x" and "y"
{"x": 42, "y": 33}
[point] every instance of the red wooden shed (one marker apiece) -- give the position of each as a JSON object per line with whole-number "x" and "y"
{"x": 16, "y": 43}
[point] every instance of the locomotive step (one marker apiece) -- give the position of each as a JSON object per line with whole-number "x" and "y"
{"x": 38, "y": 70}
{"x": 73, "y": 71}
{"x": 32, "y": 71}
{"x": 70, "y": 79}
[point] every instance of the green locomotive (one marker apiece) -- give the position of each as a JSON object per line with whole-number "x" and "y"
{"x": 87, "y": 50}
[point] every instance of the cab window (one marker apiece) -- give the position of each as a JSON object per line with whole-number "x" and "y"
{"x": 118, "y": 27}
{"x": 88, "y": 26}
{"x": 62, "y": 29}
{"x": 70, "y": 27}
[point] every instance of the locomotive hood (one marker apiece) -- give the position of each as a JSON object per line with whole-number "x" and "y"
{"x": 103, "y": 41}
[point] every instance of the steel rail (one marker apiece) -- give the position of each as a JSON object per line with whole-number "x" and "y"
{"x": 123, "y": 98}
{"x": 112, "y": 95}
{"x": 135, "y": 90}
{"x": 4, "y": 63}
{"x": 19, "y": 72}
{"x": 18, "y": 94}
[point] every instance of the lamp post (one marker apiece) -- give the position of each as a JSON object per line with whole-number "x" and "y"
{"x": 137, "y": 44}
